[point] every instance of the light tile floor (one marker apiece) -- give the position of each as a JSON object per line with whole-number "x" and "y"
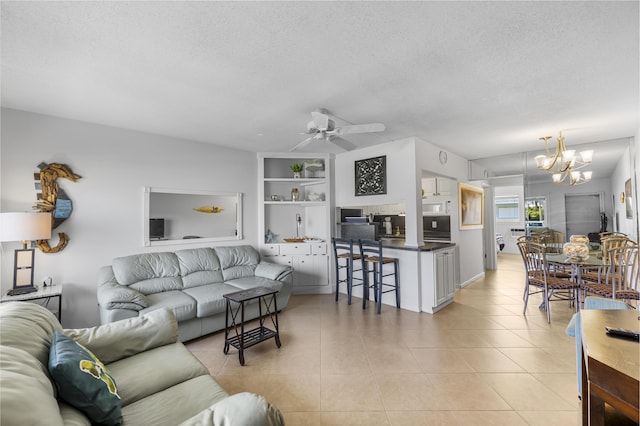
{"x": 479, "y": 361}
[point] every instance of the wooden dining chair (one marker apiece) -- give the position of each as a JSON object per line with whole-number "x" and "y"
{"x": 384, "y": 281}
{"x": 539, "y": 279}
{"x": 349, "y": 262}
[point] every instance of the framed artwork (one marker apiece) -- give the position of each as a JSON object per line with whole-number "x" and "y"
{"x": 371, "y": 176}
{"x": 471, "y": 201}
{"x": 627, "y": 199}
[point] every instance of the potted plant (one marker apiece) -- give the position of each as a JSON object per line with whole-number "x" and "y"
{"x": 297, "y": 168}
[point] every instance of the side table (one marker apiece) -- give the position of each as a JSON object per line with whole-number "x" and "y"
{"x": 48, "y": 293}
{"x": 244, "y": 339}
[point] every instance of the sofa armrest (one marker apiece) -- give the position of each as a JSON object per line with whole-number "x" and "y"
{"x": 124, "y": 338}
{"x": 273, "y": 271}
{"x": 240, "y": 409}
{"x": 112, "y": 295}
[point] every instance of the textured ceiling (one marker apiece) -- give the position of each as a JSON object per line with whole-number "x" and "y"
{"x": 476, "y": 78}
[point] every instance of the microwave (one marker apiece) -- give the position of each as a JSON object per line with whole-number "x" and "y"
{"x": 435, "y": 208}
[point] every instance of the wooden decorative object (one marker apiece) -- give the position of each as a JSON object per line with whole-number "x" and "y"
{"x": 54, "y": 200}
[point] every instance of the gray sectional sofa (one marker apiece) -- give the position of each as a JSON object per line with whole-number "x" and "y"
{"x": 152, "y": 378}
{"x": 190, "y": 282}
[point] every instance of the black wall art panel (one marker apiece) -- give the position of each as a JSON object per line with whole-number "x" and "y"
{"x": 371, "y": 176}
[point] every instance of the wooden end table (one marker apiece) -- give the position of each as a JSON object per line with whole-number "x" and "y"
{"x": 610, "y": 365}
{"x": 235, "y": 304}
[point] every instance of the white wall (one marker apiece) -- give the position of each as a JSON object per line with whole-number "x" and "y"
{"x": 620, "y": 175}
{"x": 406, "y": 161}
{"x": 115, "y": 165}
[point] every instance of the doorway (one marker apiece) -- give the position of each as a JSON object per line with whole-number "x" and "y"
{"x": 582, "y": 214}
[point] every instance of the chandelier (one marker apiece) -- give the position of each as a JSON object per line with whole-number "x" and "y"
{"x": 564, "y": 164}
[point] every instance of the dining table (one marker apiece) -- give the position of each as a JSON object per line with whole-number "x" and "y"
{"x": 577, "y": 266}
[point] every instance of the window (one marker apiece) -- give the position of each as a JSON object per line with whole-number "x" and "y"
{"x": 508, "y": 208}
{"x": 534, "y": 210}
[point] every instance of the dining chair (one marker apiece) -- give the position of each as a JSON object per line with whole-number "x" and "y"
{"x": 539, "y": 277}
{"x": 621, "y": 278}
{"x": 345, "y": 260}
{"x": 371, "y": 253}
{"x": 607, "y": 243}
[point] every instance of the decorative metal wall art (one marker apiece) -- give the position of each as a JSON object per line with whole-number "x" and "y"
{"x": 51, "y": 198}
{"x": 371, "y": 176}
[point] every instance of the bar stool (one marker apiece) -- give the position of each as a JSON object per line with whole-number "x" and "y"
{"x": 344, "y": 259}
{"x": 371, "y": 252}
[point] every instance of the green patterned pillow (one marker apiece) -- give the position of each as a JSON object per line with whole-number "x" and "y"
{"x": 83, "y": 381}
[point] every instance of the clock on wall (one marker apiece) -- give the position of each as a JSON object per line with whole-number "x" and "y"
{"x": 443, "y": 157}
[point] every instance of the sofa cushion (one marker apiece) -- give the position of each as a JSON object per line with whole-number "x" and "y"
{"x": 240, "y": 409}
{"x": 199, "y": 266}
{"x": 154, "y": 370}
{"x": 182, "y": 305}
{"x": 20, "y": 319}
{"x": 237, "y": 261}
{"x": 27, "y": 395}
{"x": 175, "y": 404}
{"x": 149, "y": 272}
{"x": 209, "y": 298}
{"x": 83, "y": 381}
{"x": 120, "y": 339}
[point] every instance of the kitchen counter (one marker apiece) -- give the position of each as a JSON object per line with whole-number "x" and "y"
{"x": 398, "y": 243}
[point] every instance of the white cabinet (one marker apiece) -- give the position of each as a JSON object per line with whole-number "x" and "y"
{"x": 310, "y": 217}
{"x": 438, "y": 280}
{"x": 445, "y": 276}
{"x": 436, "y": 187}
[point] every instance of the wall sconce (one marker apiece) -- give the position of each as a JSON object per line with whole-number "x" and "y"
{"x": 24, "y": 227}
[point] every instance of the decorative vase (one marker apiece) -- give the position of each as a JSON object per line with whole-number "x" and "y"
{"x": 576, "y": 251}
{"x": 295, "y": 195}
{"x": 297, "y": 175}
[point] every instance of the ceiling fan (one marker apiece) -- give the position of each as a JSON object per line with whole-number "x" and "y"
{"x": 323, "y": 128}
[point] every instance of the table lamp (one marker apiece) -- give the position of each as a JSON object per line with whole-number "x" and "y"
{"x": 25, "y": 227}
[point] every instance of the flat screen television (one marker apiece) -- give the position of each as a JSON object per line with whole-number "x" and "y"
{"x": 156, "y": 229}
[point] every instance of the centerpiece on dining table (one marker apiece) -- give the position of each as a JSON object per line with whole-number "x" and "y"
{"x": 577, "y": 249}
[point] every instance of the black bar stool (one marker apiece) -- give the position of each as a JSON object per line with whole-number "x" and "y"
{"x": 344, "y": 259}
{"x": 371, "y": 252}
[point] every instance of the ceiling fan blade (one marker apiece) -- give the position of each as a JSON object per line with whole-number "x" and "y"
{"x": 360, "y": 128}
{"x": 302, "y": 144}
{"x": 342, "y": 143}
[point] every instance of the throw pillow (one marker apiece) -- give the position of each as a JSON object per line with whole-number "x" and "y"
{"x": 83, "y": 381}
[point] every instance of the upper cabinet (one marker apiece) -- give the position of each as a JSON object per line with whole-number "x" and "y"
{"x": 437, "y": 186}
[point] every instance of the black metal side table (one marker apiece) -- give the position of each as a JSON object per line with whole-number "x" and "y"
{"x": 244, "y": 339}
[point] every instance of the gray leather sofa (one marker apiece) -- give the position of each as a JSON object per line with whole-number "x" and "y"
{"x": 156, "y": 379}
{"x": 190, "y": 282}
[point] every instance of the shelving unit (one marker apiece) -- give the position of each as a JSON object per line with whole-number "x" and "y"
{"x": 278, "y": 218}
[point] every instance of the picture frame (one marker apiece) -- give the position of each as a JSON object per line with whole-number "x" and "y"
{"x": 471, "y": 208}
{"x": 628, "y": 198}
{"x": 371, "y": 176}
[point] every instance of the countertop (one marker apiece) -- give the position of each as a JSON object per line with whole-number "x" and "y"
{"x": 398, "y": 243}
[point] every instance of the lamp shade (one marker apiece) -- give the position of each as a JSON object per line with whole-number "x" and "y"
{"x": 25, "y": 226}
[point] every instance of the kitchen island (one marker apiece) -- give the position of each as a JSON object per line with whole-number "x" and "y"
{"x": 427, "y": 274}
